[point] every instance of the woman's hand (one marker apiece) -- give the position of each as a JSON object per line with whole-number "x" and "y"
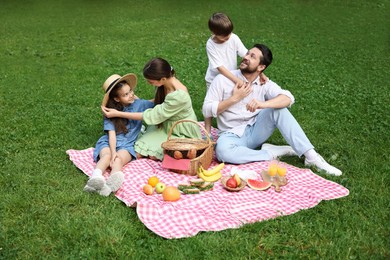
{"x": 109, "y": 112}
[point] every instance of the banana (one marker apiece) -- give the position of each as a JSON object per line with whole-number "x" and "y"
{"x": 212, "y": 178}
{"x": 214, "y": 170}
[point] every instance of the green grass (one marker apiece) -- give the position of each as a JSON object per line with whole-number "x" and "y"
{"x": 55, "y": 55}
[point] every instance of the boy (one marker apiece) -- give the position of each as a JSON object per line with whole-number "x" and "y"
{"x": 222, "y": 49}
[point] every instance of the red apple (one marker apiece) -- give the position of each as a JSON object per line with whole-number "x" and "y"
{"x": 231, "y": 183}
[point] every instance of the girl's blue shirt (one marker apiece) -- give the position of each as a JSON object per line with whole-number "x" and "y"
{"x": 124, "y": 141}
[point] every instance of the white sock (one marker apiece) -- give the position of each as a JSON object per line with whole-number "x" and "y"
{"x": 310, "y": 155}
{"x": 97, "y": 173}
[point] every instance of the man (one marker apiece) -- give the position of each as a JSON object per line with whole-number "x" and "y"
{"x": 247, "y": 116}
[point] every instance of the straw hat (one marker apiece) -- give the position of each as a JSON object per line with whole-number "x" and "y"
{"x": 110, "y": 83}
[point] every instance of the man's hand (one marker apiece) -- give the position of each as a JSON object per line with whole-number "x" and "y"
{"x": 253, "y": 105}
{"x": 109, "y": 112}
{"x": 240, "y": 92}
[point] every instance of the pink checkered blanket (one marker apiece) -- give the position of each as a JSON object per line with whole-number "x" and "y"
{"x": 217, "y": 209}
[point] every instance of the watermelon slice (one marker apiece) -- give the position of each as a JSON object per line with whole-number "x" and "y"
{"x": 258, "y": 185}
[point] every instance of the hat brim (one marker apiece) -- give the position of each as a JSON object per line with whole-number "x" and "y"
{"x": 131, "y": 80}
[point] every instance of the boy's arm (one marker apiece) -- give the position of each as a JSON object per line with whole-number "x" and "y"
{"x": 263, "y": 78}
{"x": 230, "y": 76}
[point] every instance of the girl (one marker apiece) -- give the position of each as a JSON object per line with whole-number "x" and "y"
{"x": 173, "y": 103}
{"x": 116, "y": 147}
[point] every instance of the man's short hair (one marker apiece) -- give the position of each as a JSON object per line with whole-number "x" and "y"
{"x": 266, "y": 58}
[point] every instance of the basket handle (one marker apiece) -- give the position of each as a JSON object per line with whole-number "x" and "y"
{"x": 192, "y": 121}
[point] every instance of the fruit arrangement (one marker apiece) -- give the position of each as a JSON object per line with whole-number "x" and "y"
{"x": 195, "y": 186}
{"x": 212, "y": 175}
{"x": 233, "y": 183}
{"x": 154, "y": 184}
{"x": 169, "y": 193}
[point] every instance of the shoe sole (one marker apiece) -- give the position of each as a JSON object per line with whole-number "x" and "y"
{"x": 97, "y": 183}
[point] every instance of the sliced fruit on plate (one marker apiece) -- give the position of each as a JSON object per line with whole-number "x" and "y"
{"x": 258, "y": 185}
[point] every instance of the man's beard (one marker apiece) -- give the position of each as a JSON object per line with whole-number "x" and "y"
{"x": 248, "y": 70}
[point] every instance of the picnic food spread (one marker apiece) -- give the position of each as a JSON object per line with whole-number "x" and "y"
{"x": 205, "y": 179}
{"x": 195, "y": 186}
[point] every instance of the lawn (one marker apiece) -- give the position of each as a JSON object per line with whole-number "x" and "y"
{"x": 55, "y": 55}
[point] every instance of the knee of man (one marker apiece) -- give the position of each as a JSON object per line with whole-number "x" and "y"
{"x": 224, "y": 154}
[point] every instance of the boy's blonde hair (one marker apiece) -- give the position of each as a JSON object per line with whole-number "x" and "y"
{"x": 220, "y": 24}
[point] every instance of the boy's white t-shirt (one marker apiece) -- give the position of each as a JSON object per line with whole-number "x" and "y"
{"x": 223, "y": 54}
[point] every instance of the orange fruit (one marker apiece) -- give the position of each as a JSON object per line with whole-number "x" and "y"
{"x": 148, "y": 189}
{"x": 152, "y": 181}
{"x": 171, "y": 193}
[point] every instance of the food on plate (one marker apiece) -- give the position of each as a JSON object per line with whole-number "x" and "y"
{"x": 171, "y": 193}
{"x": 184, "y": 186}
{"x": 231, "y": 183}
{"x": 197, "y": 181}
{"x": 206, "y": 186}
{"x": 258, "y": 185}
{"x": 237, "y": 178}
{"x": 191, "y": 191}
{"x": 148, "y": 189}
{"x": 152, "y": 181}
{"x": 160, "y": 187}
{"x": 177, "y": 155}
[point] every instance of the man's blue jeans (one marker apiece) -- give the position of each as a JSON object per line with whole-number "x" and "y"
{"x": 231, "y": 148}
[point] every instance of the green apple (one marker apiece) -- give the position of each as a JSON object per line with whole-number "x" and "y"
{"x": 160, "y": 187}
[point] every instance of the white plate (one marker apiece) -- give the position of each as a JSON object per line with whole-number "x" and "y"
{"x": 244, "y": 174}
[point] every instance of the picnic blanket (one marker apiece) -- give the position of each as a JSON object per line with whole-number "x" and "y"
{"x": 217, "y": 209}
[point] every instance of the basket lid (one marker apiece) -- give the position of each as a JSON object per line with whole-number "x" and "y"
{"x": 184, "y": 144}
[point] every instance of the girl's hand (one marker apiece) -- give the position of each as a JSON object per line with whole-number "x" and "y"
{"x": 113, "y": 157}
{"x": 109, "y": 112}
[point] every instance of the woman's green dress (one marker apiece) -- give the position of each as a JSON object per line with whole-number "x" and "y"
{"x": 176, "y": 106}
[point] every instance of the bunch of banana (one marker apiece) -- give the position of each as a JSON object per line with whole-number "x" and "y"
{"x": 211, "y": 175}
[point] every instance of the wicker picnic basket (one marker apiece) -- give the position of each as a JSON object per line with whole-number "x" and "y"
{"x": 204, "y": 149}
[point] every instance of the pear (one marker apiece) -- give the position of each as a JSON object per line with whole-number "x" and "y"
{"x": 237, "y": 178}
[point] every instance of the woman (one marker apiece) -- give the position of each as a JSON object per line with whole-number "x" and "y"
{"x": 172, "y": 103}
